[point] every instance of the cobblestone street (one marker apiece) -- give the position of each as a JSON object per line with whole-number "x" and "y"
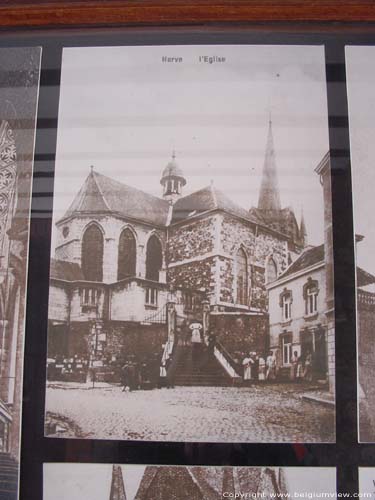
{"x": 253, "y": 414}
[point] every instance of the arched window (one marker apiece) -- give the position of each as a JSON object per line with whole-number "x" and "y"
{"x": 242, "y": 277}
{"x": 271, "y": 271}
{"x": 154, "y": 258}
{"x": 127, "y": 255}
{"x": 92, "y": 254}
{"x": 310, "y": 294}
{"x": 286, "y": 300}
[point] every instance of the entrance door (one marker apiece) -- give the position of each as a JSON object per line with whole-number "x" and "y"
{"x": 320, "y": 356}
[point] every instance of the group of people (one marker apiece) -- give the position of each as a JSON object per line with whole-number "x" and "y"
{"x": 265, "y": 368}
{"x": 301, "y": 369}
{"x": 259, "y": 367}
{"x": 138, "y": 375}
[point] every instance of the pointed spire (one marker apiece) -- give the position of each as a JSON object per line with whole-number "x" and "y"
{"x": 269, "y": 196}
{"x": 303, "y": 230}
{"x": 117, "y": 484}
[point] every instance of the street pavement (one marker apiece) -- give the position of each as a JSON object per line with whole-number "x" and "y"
{"x": 269, "y": 413}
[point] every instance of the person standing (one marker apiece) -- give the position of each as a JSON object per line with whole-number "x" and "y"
{"x": 271, "y": 366}
{"x": 196, "y": 340}
{"x": 262, "y": 369}
{"x": 307, "y": 374}
{"x": 294, "y": 366}
{"x": 247, "y": 365}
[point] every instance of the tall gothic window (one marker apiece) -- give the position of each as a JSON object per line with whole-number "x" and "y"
{"x": 92, "y": 254}
{"x": 127, "y": 255}
{"x": 242, "y": 277}
{"x": 271, "y": 271}
{"x": 154, "y": 258}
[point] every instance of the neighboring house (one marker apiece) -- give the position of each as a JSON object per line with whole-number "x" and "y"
{"x": 122, "y": 255}
{"x": 210, "y": 483}
{"x": 366, "y": 351}
{"x": 297, "y": 307}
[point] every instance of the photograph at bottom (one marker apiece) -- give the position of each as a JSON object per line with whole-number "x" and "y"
{"x": 366, "y": 479}
{"x": 152, "y": 482}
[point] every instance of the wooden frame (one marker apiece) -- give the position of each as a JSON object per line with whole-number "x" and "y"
{"x": 69, "y": 13}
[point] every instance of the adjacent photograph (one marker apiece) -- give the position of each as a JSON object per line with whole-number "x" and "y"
{"x": 151, "y": 482}
{"x": 361, "y": 104}
{"x": 19, "y": 87}
{"x": 191, "y": 276}
{"x": 366, "y": 479}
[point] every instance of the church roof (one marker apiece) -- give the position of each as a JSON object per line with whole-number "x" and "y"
{"x": 311, "y": 256}
{"x": 102, "y": 194}
{"x": 206, "y": 199}
{"x": 66, "y": 271}
{"x": 211, "y": 481}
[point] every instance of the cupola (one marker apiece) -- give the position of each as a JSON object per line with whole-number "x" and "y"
{"x": 172, "y": 180}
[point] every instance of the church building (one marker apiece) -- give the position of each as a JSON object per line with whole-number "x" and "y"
{"x": 132, "y": 271}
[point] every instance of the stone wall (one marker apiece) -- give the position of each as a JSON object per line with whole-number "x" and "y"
{"x": 240, "y": 333}
{"x": 58, "y": 302}
{"x": 258, "y": 247}
{"x": 366, "y": 346}
{"x": 191, "y": 240}
{"x": 235, "y": 233}
{"x": 196, "y": 275}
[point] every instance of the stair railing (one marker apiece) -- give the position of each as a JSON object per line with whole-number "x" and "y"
{"x": 226, "y": 361}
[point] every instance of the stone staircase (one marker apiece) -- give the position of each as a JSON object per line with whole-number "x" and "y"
{"x": 199, "y": 368}
{"x": 8, "y": 477}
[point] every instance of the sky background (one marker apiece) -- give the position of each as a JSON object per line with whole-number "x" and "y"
{"x": 360, "y": 78}
{"x": 124, "y": 111}
{"x": 93, "y": 481}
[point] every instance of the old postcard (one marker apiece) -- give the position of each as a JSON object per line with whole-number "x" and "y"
{"x": 152, "y": 482}
{"x": 19, "y": 86}
{"x": 361, "y": 101}
{"x": 191, "y": 284}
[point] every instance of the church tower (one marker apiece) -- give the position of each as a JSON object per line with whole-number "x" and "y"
{"x": 172, "y": 180}
{"x": 269, "y": 197}
{"x": 303, "y": 231}
{"x": 269, "y": 210}
{"x": 117, "y": 484}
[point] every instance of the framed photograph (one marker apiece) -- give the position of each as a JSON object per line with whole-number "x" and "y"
{"x": 187, "y": 265}
{"x": 19, "y": 85}
{"x": 191, "y": 483}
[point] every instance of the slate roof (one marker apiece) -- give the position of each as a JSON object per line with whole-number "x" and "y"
{"x": 364, "y": 278}
{"x": 64, "y": 270}
{"x": 102, "y": 194}
{"x": 105, "y": 195}
{"x": 208, "y": 198}
{"x": 307, "y": 258}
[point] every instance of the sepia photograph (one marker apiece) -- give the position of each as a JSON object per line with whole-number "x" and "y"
{"x": 64, "y": 481}
{"x": 361, "y": 103}
{"x": 191, "y": 277}
{"x": 19, "y": 86}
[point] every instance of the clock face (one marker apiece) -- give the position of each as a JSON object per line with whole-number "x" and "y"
{"x": 65, "y": 231}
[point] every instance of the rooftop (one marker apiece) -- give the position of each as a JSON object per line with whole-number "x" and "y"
{"x": 308, "y": 258}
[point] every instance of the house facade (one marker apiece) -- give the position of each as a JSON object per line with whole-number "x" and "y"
{"x": 297, "y": 306}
